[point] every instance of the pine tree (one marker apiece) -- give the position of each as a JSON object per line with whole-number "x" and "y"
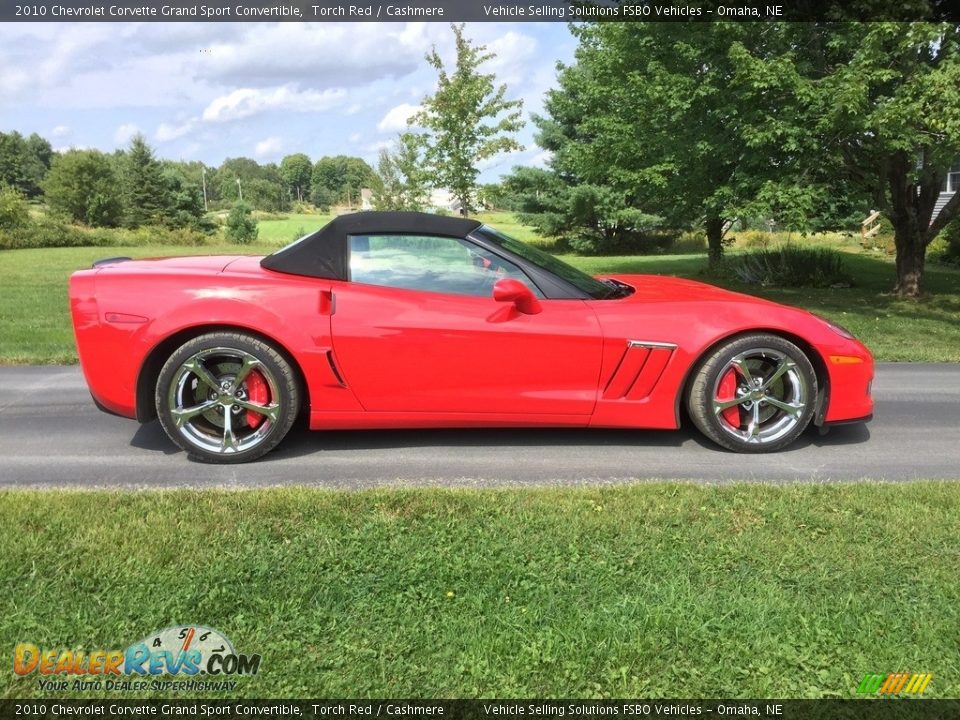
{"x": 145, "y": 192}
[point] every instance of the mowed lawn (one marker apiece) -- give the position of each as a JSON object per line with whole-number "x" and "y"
{"x": 279, "y": 232}
{"x": 652, "y": 590}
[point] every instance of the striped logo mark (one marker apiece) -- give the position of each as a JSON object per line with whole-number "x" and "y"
{"x": 895, "y": 683}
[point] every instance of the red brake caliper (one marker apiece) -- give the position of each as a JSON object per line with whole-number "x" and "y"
{"x": 257, "y": 392}
{"x": 728, "y": 391}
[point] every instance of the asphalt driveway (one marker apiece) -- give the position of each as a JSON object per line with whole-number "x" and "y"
{"x": 51, "y": 435}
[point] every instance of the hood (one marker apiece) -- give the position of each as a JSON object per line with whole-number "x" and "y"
{"x": 661, "y": 287}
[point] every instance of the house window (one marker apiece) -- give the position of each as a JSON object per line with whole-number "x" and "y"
{"x": 953, "y": 179}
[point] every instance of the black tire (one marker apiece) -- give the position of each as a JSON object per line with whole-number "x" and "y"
{"x": 774, "y": 394}
{"x": 198, "y": 384}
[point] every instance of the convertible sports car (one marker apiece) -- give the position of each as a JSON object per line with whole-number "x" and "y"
{"x": 387, "y": 320}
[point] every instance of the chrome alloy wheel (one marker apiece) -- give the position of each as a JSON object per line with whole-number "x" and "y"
{"x": 760, "y": 396}
{"x": 224, "y": 400}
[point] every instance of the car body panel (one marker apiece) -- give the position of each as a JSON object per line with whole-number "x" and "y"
{"x": 404, "y": 350}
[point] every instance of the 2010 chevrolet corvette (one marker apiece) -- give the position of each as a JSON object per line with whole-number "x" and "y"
{"x": 388, "y": 320}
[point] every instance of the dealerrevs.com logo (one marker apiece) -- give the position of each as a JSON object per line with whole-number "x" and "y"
{"x": 184, "y": 651}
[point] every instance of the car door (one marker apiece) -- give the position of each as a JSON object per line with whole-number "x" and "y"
{"x": 416, "y": 329}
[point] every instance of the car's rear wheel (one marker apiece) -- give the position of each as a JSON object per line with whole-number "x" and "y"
{"x": 227, "y": 397}
{"x": 755, "y": 394}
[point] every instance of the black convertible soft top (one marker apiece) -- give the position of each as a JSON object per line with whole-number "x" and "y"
{"x": 324, "y": 254}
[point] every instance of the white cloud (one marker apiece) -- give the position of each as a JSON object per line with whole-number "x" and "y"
{"x": 124, "y": 133}
{"x": 68, "y": 148}
{"x": 171, "y": 131}
{"x": 396, "y": 118}
{"x": 541, "y": 159}
{"x": 317, "y": 56}
{"x": 60, "y": 131}
{"x": 269, "y": 146}
{"x": 372, "y": 149}
{"x": 355, "y": 137}
{"x": 244, "y": 102}
{"x": 515, "y": 55}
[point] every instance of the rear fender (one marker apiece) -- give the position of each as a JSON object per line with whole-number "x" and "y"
{"x": 306, "y": 345}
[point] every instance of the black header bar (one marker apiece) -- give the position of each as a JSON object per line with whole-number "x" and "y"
{"x": 476, "y": 10}
{"x": 873, "y": 709}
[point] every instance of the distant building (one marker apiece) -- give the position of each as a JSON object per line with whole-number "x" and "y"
{"x": 951, "y": 185}
{"x": 366, "y": 199}
{"x": 442, "y": 200}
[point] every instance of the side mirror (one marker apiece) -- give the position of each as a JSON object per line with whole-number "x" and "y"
{"x": 510, "y": 290}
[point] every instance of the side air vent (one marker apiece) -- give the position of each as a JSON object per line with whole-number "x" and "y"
{"x": 639, "y": 370}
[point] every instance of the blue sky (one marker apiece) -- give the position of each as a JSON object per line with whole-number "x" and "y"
{"x": 208, "y": 91}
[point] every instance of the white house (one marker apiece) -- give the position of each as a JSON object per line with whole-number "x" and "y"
{"x": 442, "y": 199}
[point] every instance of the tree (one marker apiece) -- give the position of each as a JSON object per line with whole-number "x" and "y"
{"x": 296, "y": 170}
{"x": 262, "y": 186}
{"x": 24, "y": 162}
{"x": 184, "y": 201}
{"x": 145, "y": 191}
{"x": 82, "y": 185}
{"x": 691, "y": 122}
{"x": 401, "y": 182}
{"x": 585, "y": 217}
{"x": 467, "y": 120}
{"x": 338, "y": 180}
{"x": 807, "y": 122}
{"x": 241, "y": 227}
{"x": 890, "y": 104}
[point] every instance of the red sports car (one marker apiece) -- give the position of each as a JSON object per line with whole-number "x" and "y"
{"x": 388, "y": 320}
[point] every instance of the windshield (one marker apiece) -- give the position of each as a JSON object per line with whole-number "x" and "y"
{"x": 596, "y": 289}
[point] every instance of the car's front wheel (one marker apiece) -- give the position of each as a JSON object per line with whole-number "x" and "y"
{"x": 756, "y": 394}
{"x": 227, "y": 397}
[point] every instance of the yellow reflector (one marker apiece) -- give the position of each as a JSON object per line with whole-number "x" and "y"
{"x": 846, "y": 359}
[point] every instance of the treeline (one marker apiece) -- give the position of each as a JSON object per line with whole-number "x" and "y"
{"x": 132, "y": 188}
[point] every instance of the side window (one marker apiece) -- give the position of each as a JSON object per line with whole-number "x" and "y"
{"x": 430, "y": 264}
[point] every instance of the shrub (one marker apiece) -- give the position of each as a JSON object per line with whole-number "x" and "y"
{"x": 625, "y": 242}
{"x": 791, "y": 266}
{"x": 50, "y": 232}
{"x": 14, "y": 212}
{"x": 241, "y": 227}
{"x": 946, "y": 248}
{"x": 47, "y": 232}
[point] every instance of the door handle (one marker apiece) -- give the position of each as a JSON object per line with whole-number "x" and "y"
{"x": 328, "y": 302}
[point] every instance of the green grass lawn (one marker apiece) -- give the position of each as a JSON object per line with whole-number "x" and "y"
{"x": 642, "y": 591}
{"x": 35, "y": 322}
{"x": 281, "y": 232}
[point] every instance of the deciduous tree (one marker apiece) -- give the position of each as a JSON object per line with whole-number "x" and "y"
{"x": 296, "y": 171}
{"x": 401, "y": 181}
{"x": 468, "y": 119}
{"x": 82, "y": 185}
{"x": 891, "y": 106}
